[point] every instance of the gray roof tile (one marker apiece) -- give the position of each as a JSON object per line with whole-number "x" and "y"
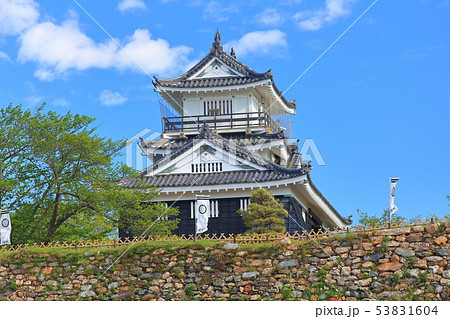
{"x": 272, "y": 171}
{"x": 203, "y": 179}
{"x": 216, "y": 51}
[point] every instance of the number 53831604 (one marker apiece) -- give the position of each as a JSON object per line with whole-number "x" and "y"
{"x": 406, "y": 310}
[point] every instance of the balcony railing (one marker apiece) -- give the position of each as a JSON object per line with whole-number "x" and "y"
{"x": 224, "y": 121}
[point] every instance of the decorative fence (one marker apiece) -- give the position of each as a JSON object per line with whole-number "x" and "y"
{"x": 232, "y": 238}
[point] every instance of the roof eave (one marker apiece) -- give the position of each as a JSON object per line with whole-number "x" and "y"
{"x": 213, "y": 88}
{"x": 339, "y": 220}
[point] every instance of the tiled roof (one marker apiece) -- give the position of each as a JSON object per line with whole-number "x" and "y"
{"x": 217, "y": 51}
{"x": 228, "y": 145}
{"x": 225, "y": 144}
{"x": 230, "y": 60}
{"x": 220, "y": 178}
{"x": 296, "y": 160}
{"x": 171, "y": 143}
{"x": 272, "y": 172}
{"x": 209, "y": 82}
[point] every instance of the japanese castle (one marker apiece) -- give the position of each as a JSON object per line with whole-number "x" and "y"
{"x": 224, "y": 135}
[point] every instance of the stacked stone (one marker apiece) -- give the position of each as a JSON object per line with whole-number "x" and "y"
{"x": 406, "y": 263}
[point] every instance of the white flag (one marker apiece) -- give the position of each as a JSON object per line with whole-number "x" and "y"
{"x": 393, "y": 186}
{"x": 201, "y": 214}
{"x": 5, "y": 228}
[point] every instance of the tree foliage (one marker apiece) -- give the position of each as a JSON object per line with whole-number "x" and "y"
{"x": 264, "y": 214}
{"x": 372, "y": 220}
{"x": 59, "y": 179}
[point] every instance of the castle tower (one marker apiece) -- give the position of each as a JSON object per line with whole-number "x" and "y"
{"x": 225, "y": 134}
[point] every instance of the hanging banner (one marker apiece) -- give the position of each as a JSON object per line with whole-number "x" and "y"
{"x": 5, "y": 228}
{"x": 393, "y": 208}
{"x": 202, "y": 211}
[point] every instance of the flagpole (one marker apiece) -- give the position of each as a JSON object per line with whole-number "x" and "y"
{"x": 392, "y": 188}
{"x": 195, "y": 219}
{"x": 195, "y": 224}
{"x": 390, "y": 208}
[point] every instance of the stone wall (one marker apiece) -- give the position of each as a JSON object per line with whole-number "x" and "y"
{"x": 407, "y": 263}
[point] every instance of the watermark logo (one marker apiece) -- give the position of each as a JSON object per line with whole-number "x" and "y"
{"x": 310, "y": 146}
{"x": 135, "y": 156}
{"x": 309, "y": 150}
{"x": 204, "y": 151}
{"x": 206, "y": 156}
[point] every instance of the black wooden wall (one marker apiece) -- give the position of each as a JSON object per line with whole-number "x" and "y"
{"x": 230, "y": 222}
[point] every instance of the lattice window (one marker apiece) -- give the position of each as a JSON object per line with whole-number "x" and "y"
{"x": 206, "y": 167}
{"x": 243, "y": 203}
{"x": 217, "y": 107}
{"x": 213, "y": 209}
{"x": 193, "y": 209}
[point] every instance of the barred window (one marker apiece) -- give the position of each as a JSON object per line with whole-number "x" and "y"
{"x": 218, "y": 107}
{"x": 206, "y": 167}
{"x": 243, "y": 203}
{"x": 213, "y": 209}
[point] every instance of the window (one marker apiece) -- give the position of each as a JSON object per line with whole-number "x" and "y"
{"x": 244, "y": 203}
{"x": 218, "y": 107}
{"x": 206, "y": 167}
{"x": 213, "y": 209}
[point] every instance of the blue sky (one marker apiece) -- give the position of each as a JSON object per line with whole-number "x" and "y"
{"x": 377, "y": 104}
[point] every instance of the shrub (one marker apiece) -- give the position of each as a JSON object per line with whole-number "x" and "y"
{"x": 264, "y": 214}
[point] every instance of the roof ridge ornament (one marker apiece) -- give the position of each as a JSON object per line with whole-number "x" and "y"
{"x": 217, "y": 36}
{"x": 232, "y": 53}
{"x": 205, "y": 130}
{"x": 216, "y": 44}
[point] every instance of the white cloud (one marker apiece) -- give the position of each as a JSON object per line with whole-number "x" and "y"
{"x": 129, "y": 5}
{"x": 35, "y": 100}
{"x": 57, "y": 49}
{"x": 216, "y": 11}
{"x": 4, "y": 56}
{"x": 44, "y": 74}
{"x": 312, "y": 20}
{"x": 17, "y": 15}
{"x": 60, "y": 102}
{"x": 109, "y": 98}
{"x": 155, "y": 55}
{"x": 60, "y": 49}
{"x": 270, "y": 17}
{"x": 259, "y": 42}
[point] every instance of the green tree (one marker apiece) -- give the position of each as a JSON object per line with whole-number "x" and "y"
{"x": 372, "y": 220}
{"x": 264, "y": 214}
{"x": 63, "y": 184}
{"x": 17, "y": 176}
